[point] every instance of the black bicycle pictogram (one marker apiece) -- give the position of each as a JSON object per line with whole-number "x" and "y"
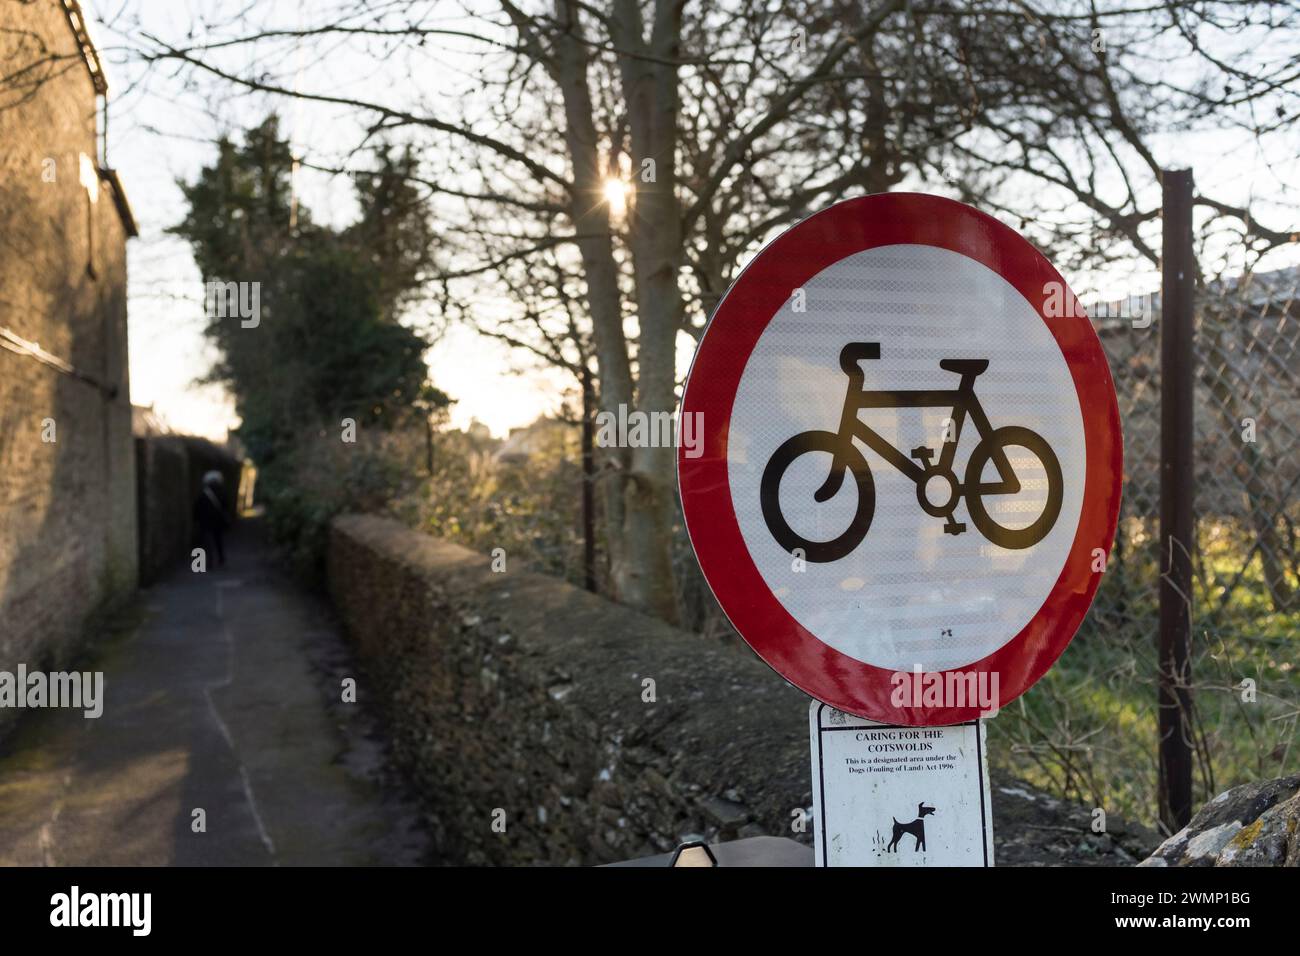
{"x": 845, "y": 457}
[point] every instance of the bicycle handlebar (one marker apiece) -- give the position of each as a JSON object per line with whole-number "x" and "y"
{"x": 855, "y": 352}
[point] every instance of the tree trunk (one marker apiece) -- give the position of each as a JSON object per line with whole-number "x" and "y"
{"x": 428, "y": 445}
{"x": 649, "y": 79}
{"x": 591, "y": 223}
{"x": 588, "y": 483}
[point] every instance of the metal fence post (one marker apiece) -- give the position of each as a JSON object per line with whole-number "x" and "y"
{"x": 1177, "y": 486}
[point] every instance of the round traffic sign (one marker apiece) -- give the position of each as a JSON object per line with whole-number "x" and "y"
{"x": 911, "y": 461}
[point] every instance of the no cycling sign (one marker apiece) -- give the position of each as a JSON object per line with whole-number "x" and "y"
{"x": 911, "y": 460}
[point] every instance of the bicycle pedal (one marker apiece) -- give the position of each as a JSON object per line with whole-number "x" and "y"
{"x": 923, "y": 454}
{"x": 954, "y": 527}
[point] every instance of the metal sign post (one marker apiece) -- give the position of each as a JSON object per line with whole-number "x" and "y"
{"x": 1177, "y": 467}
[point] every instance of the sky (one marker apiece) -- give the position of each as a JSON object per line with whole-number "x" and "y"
{"x": 160, "y": 130}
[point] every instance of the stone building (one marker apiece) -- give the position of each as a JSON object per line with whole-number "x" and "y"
{"x": 67, "y": 467}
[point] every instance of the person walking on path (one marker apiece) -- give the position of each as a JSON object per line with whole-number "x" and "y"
{"x": 210, "y": 515}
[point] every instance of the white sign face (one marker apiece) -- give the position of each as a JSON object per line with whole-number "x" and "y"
{"x": 938, "y": 588}
{"x": 910, "y": 458}
{"x": 898, "y": 796}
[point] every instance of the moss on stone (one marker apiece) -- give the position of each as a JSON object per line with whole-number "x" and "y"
{"x": 1247, "y": 836}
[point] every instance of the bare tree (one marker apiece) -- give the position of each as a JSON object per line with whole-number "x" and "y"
{"x": 645, "y": 148}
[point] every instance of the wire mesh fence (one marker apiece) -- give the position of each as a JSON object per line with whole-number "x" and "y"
{"x": 1090, "y": 730}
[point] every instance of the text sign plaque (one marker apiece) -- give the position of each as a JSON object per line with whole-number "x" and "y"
{"x": 886, "y": 795}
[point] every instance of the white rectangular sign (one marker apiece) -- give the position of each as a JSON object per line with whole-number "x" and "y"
{"x": 899, "y": 796}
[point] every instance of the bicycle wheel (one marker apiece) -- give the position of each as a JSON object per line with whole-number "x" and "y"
{"x": 818, "y": 552}
{"x": 1013, "y": 436}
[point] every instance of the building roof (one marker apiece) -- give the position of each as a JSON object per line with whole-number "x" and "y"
{"x": 90, "y": 56}
{"x": 77, "y": 21}
{"x": 119, "y": 200}
{"x": 146, "y": 422}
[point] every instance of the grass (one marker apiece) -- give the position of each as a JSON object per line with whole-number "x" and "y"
{"x": 1087, "y": 731}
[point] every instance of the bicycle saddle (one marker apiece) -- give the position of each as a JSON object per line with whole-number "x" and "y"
{"x": 964, "y": 366}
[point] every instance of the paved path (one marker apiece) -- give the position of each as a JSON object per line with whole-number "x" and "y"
{"x": 224, "y": 694}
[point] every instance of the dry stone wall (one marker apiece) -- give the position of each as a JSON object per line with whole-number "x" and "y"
{"x": 518, "y": 692}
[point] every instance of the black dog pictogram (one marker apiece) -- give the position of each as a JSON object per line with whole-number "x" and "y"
{"x": 916, "y": 828}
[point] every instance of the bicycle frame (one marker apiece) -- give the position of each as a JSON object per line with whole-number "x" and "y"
{"x": 963, "y": 402}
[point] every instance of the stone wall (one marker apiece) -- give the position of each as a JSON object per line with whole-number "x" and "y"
{"x": 67, "y": 506}
{"x": 521, "y": 692}
{"x": 162, "y": 505}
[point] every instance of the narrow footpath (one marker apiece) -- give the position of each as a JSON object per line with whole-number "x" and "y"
{"x": 222, "y": 693}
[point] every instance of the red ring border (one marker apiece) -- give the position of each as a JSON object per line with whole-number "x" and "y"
{"x": 764, "y": 286}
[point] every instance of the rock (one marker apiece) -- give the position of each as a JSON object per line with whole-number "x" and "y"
{"x": 1204, "y": 847}
{"x": 1272, "y": 840}
{"x": 724, "y": 813}
{"x": 1257, "y": 824}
